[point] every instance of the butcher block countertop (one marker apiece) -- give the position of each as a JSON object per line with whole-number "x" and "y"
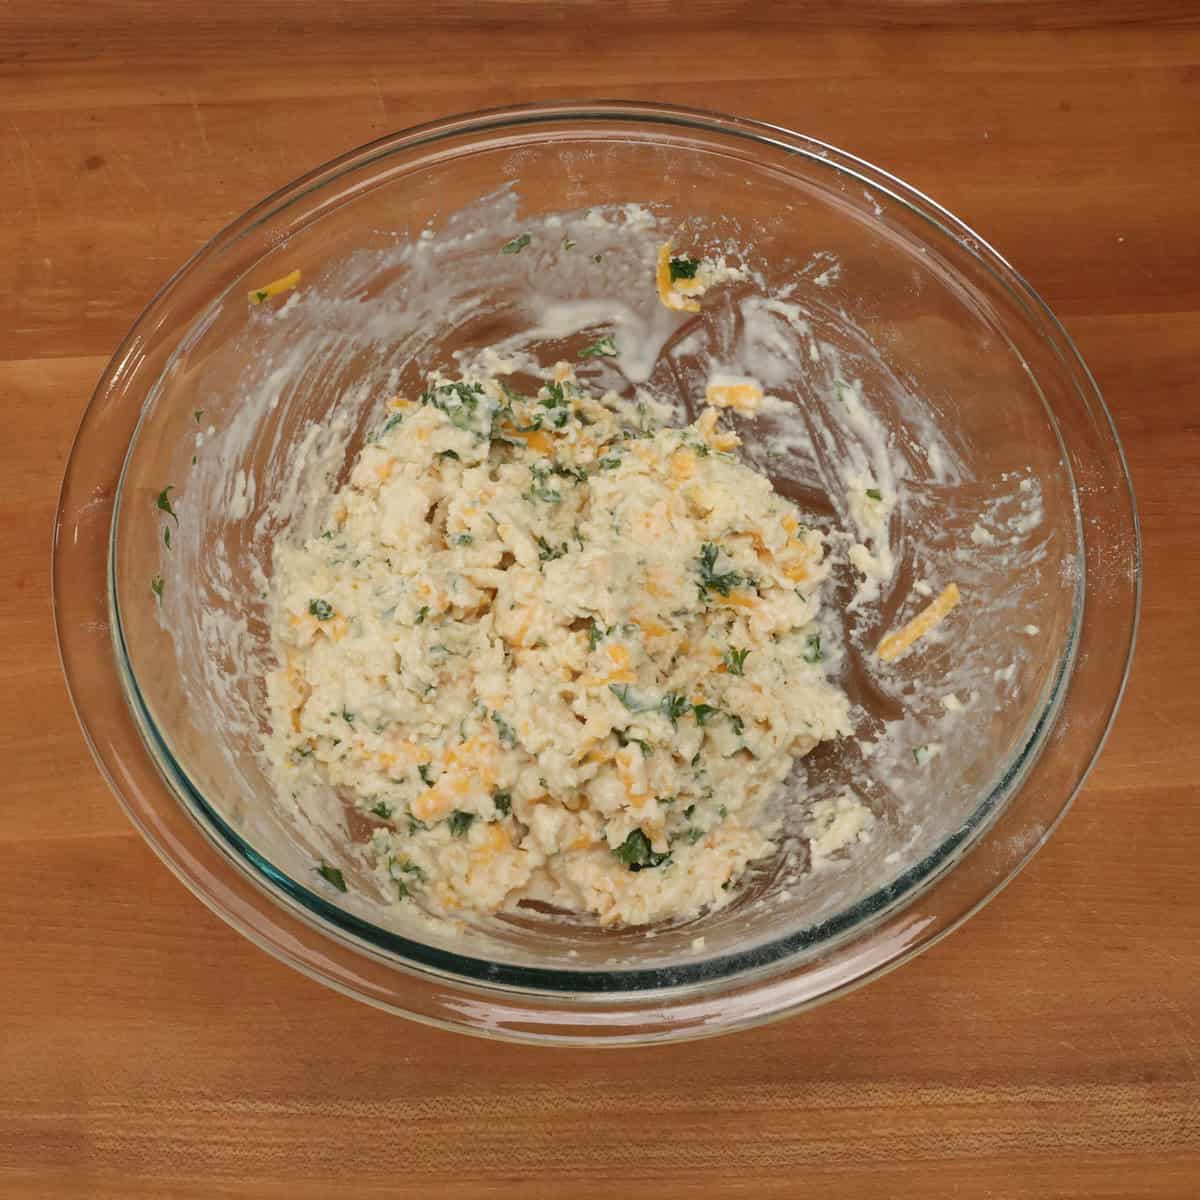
{"x": 1051, "y": 1048}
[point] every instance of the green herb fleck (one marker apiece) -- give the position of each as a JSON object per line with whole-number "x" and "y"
{"x": 739, "y": 726}
{"x": 460, "y": 823}
{"x": 673, "y": 705}
{"x": 516, "y": 245}
{"x": 710, "y": 580}
{"x": 156, "y": 586}
{"x": 625, "y": 739}
{"x": 605, "y": 347}
{"x": 684, "y": 268}
{"x": 539, "y": 489}
{"x": 735, "y": 661}
{"x": 167, "y": 536}
{"x": 450, "y": 454}
{"x": 874, "y": 494}
{"x": 197, "y": 413}
{"x": 555, "y": 396}
{"x": 503, "y": 803}
{"x": 382, "y": 810}
{"x": 332, "y": 875}
{"x": 567, "y": 244}
{"x": 597, "y": 258}
{"x": 702, "y": 712}
{"x": 347, "y": 716}
{"x": 321, "y": 609}
{"x": 813, "y": 653}
{"x": 423, "y": 771}
{"x": 506, "y": 733}
{"x": 387, "y": 427}
{"x": 547, "y": 553}
{"x": 163, "y": 503}
{"x": 566, "y": 471}
{"x": 422, "y": 613}
{"x": 624, "y": 693}
{"x": 193, "y": 460}
{"x": 637, "y": 854}
{"x": 462, "y": 539}
{"x": 921, "y": 755}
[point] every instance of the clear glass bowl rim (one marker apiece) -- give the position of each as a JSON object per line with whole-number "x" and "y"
{"x": 620, "y": 999}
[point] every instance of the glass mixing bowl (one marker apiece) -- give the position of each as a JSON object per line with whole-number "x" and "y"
{"x": 1013, "y": 483}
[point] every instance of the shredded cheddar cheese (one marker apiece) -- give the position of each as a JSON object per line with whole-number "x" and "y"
{"x": 897, "y": 642}
{"x": 275, "y": 288}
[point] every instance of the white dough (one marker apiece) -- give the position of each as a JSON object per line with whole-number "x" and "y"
{"x": 555, "y": 654}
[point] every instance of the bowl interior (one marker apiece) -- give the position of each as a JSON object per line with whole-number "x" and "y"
{"x": 897, "y": 347}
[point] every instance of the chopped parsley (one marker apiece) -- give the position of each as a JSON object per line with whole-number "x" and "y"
{"x": 739, "y": 726}
{"x": 609, "y": 462}
{"x": 624, "y": 739}
{"x": 567, "y": 244}
{"x": 388, "y": 425}
{"x": 604, "y": 347}
{"x": 460, "y": 823}
{"x": 462, "y": 539}
{"x": 506, "y": 733}
{"x": 197, "y": 413}
{"x": 813, "y": 653}
{"x": 735, "y": 661}
{"x": 539, "y": 488}
{"x": 503, "y": 803}
{"x": 423, "y": 771}
{"x": 566, "y": 471}
{"x": 163, "y": 502}
{"x": 673, "y": 705}
{"x": 382, "y": 810}
{"x": 449, "y": 454}
{"x": 637, "y": 854}
{"x": 167, "y": 536}
{"x": 711, "y": 580}
{"x": 332, "y": 875}
{"x": 422, "y": 613}
{"x": 624, "y": 693}
{"x": 555, "y": 396}
{"x": 459, "y": 401}
{"x": 516, "y": 245}
{"x": 702, "y": 712}
{"x": 156, "y": 586}
{"x": 874, "y": 494}
{"x": 684, "y": 268}
{"x": 547, "y": 553}
{"x": 321, "y": 609}
{"x": 921, "y": 755}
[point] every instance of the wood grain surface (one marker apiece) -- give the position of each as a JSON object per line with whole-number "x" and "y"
{"x": 1052, "y": 1048}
